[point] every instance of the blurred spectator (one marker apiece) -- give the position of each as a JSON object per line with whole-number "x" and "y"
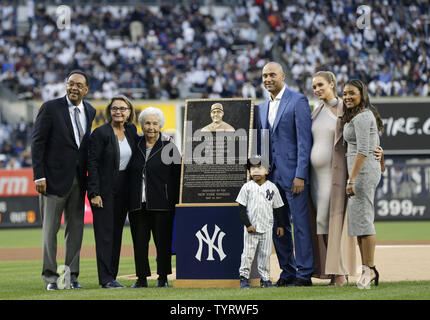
{"x": 3, "y": 159}
{"x": 13, "y": 164}
{"x": 248, "y": 90}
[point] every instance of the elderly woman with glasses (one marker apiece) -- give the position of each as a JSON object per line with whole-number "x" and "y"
{"x": 153, "y": 178}
{"x": 110, "y": 151}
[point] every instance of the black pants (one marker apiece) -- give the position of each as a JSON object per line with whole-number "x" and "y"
{"x": 161, "y": 224}
{"x": 108, "y": 223}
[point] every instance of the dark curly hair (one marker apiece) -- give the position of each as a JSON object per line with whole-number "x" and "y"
{"x": 348, "y": 113}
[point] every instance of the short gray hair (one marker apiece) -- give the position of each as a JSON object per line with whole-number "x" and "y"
{"x": 152, "y": 111}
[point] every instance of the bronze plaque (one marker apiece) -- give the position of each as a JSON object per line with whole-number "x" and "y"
{"x": 217, "y": 144}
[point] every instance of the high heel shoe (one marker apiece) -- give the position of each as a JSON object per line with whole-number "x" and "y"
{"x": 366, "y": 277}
{"x": 338, "y": 281}
{"x": 360, "y": 279}
{"x": 376, "y": 278}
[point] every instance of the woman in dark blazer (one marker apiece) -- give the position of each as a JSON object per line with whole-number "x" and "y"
{"x": 111, "y": 147}
{"x": 153, "y": 179}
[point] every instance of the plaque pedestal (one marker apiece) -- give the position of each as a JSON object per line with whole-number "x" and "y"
{"x": 208, "y": 244}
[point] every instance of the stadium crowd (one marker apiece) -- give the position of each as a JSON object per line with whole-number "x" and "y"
{"x": 161, "y": 55}
{"x": 391, "y": 54}
{"x": 15, "y": 145}
{"x": 168, "y": 54}
{"x": 179, "y": 50}
{"x": 182, "y": 52}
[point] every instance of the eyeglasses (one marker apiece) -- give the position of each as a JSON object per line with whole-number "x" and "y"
{"x": 122, "y": 109}
{"x": 79, "y": 85}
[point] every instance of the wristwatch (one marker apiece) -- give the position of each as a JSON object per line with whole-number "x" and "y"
{"x": 350, "y": 181}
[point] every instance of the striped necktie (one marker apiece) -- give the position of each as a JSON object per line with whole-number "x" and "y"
{"x": 78, "y": 124}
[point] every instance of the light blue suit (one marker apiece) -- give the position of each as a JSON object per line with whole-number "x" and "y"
{"x": 289, "y": 150}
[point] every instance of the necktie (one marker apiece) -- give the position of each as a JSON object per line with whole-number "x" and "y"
{"x": 78, "y": 124}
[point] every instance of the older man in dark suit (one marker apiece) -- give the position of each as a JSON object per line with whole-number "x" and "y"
{"x": 59, "y": 153}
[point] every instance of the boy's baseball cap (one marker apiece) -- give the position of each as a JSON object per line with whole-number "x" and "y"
{"x": 257, "y": 160}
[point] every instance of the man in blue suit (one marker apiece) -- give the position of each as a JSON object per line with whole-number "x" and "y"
{"x": 286, "y": 117}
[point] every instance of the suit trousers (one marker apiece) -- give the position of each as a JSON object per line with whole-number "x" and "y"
{"x": 51, "y": 209}
{"x": 295, "y": 258}
{"x": 108, "y": 227}
{"x": 142, "y": 222}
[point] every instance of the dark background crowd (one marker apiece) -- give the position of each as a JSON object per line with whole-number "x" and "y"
{"x": 392, "y": 56}
{"x": 200, "y": 49}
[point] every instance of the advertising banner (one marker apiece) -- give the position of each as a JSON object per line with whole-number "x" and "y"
{"x": 19, "y": 200}
{"x": 406, "y": 127}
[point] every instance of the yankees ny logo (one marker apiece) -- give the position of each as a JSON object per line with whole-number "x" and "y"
{"x": 204, "y": 237}
{"x": 269, "y": 195}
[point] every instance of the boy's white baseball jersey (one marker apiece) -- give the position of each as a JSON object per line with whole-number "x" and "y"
{"x": 260, "y": 200}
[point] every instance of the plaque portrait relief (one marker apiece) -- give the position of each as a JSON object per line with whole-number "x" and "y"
{"x": 217, "y": 113}
{"x": 216, "y": 146}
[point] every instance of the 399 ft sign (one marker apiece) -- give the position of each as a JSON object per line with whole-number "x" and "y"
{"x": 399, "y": 208}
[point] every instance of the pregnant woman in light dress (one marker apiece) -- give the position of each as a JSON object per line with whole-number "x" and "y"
{"x": 323, "y": 132}
{"x": 334, "y": 250}
{"x": 362, "y": 124}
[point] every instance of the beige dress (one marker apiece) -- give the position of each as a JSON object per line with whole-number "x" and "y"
{"x": 340, "y": 255}
{"x": 323, "y": 130}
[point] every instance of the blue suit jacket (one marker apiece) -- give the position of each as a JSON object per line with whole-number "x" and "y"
{"x": 290, "y": 139}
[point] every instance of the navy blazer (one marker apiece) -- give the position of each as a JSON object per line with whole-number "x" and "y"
{"x": 290, "y": 139}
{"x": 55, "y": 154}
{"x": 103, "y": 158}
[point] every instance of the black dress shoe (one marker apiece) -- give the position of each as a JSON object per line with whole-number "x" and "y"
{"x": 162, "y": 283}
{"x": 52, "y": 286}
{"x": 117, "y": 284}
{"x": 75, "y": 285}
{"x": 303, "y": 282}
{"x": 140, "y": 283}
{"x": 289, "y": 282}
{"x": 109, "y": 285}
{"x": 112, "y": 285}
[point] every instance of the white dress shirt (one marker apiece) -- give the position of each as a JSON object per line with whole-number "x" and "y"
{"x": 82, "y": 119}
{"x": 124, "y": 154}
{"x": 273, "y": 106}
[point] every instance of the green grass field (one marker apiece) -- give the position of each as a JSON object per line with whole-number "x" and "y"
{"x": 21, "y": 280}
{"x": 385, "y": 231}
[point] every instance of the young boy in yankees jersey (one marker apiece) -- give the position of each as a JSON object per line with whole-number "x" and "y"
{"x": 259, "y": 200}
